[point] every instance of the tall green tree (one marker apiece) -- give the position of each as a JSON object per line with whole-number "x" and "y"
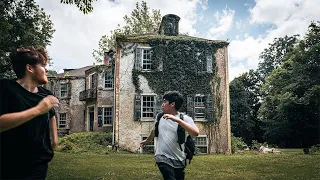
{"x": 244, "y": 105}
{"x": 273, "y": 56}
{"x": 291, "y": 107}
{"x": 141, "y": 20}
{"x": 22, "y": 23}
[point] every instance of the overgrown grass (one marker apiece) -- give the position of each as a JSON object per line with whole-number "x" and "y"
{"x": 290, "y": 164}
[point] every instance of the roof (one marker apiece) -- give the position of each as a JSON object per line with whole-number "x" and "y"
{"x": 146, "y": 37}
{"x": 75, "y": 72}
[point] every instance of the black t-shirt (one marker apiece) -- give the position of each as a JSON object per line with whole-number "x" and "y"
{"x": 29, "y": 144}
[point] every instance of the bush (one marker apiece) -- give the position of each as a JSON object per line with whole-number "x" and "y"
{"x": 256, "y": 145}
{"x": 314, "y": 149}
{"x": 96, "y": 142}
{"x": 237, "y": 144}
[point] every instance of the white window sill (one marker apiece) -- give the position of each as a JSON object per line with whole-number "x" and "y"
{"x": 107, "y": 89}
{"x": 147, "y": 120}
{"x": 107, "y": 125}
{"x": 200, "y": 120}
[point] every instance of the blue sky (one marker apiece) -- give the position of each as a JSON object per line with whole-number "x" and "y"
{"x": 249, "y": 25}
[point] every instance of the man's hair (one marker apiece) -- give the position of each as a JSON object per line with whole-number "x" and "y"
{"x": 27, "y": 55}
{"x": 174, "y": 96}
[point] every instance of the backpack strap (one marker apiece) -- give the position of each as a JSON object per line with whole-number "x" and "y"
{"x": 180, "y": 127}
{"x": 156, "y": 130}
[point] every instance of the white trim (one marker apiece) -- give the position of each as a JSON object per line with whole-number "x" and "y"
{"x": 207, "y": 142}
{"x": 147, "y": 119}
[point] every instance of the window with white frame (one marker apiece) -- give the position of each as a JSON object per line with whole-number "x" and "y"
{"x": 108, "y": 80}
{"x": 148, "y": 106}
{"x": 148, "y": 148}
{"x": 63, "y": 90}
{"x": 107, "y": 116}
{"x": 199, "y": 107}
{"x": 201, "y": 143}
{"x": 143, "y": 59}
{"x": 62, "y": 123}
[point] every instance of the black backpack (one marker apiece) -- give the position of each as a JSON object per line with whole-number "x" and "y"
{"x": 190, "y": 146}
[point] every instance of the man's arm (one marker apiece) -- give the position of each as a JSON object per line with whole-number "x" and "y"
{"x": 192, "y": 130}
{"x": 12, "y": 120}
{"x": 53, "y": 132}
{"x": 149, "y": 139}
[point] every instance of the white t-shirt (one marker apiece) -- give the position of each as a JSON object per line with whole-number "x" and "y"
{"x": 167, "y": 141}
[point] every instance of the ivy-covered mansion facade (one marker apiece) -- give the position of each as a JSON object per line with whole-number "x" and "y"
{"x": 125, "y": 96}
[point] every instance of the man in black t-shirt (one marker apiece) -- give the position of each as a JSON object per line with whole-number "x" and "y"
{"x": 28, "y": 131}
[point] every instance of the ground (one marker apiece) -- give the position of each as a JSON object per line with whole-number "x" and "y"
{"x": 290, "y": 164}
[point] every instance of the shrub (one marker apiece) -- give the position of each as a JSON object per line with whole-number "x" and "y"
{"x": 256, "y": 145}
{"x": 96, "y": 142}
{"x": 237, "y": 143}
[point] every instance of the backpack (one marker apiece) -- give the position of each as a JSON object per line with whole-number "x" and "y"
{"x": 189, "y": 143}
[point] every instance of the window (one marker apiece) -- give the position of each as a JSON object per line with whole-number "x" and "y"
{"x": 108, "y": 80}
{"x": 105, "y": 116}
{"x": 93, "y": 81}
{"x": 148, "y": 148}
{"x": 143, "y": 59}
{"x": 62, "y": 120}
{"x": 146, "y": 59}
{"x": 148, "y": 106}
{"x": 199, "y": 107}
{"x": 63, "y": 90}
{"x": 202, "y": 144}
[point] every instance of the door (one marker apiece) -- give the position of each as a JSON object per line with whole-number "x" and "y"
{"x": 91, "y": 118}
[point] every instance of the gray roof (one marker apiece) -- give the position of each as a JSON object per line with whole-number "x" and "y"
{"x": 80, "y": 72}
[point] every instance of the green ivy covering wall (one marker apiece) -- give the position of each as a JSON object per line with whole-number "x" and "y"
{"x": 184, "y": 67}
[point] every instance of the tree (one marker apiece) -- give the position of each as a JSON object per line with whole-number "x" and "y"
{"x": 86, "y": 6}
{"x": 22, "y": 23}
{"x": 272, "y": 57}
{"x": 140, "y": 21}
{"x": 291, "y": 107}
{"x": 244, "y": 105}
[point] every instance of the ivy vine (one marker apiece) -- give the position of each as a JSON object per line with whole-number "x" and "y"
{"x": 184, "y": 67}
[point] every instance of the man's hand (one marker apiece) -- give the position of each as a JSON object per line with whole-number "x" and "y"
{"x": 170, "y": 116}
{"x": 143, "y": 143}
{"x": 47, "y": 103}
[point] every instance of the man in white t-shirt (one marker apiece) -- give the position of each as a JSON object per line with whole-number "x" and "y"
{"x": 169, "y": 156}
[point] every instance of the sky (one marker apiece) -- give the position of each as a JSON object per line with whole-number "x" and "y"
{"x": 248, "y": 25}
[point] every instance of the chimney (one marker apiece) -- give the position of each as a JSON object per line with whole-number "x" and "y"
{"x": 107, "y": 57}
{"x": 169, "y": 25}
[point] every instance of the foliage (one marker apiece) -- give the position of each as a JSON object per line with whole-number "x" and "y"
{"x": 273, "y": 56}
{"x": 237, "y": 144}
{"x": 290, "y": 109}
{"x": 244, "y": 105}
{"x": 290, "y": 164}
{"x": 22, "y": 23}
{"x": 85, "y": 6}
{"x": 183, "y": 64}
{"x": 140, "y": 21}
{"x": 86, "y": 142}
{"x": 256, "y": 145}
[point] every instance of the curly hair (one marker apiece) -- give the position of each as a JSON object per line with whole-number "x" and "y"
{"x": 31, "y": 55}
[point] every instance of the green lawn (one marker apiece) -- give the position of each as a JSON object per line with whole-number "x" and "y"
{"x": 290, "y": 164}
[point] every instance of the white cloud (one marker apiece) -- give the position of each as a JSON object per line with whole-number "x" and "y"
{"x": 288, "y": 17}
{"x": 77, "y": 34}
{"x": 224, "y": 20}
{"x": 238, "y": 24}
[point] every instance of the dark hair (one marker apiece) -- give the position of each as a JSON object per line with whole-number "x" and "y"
{"x": 27, "y": 55}
{"x": 174, "y": 96}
